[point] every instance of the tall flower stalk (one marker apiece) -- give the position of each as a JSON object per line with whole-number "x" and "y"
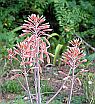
{"x": 33, "y": 49}
{"x": 21, "y": 51}
{"x": 73, "y": 57}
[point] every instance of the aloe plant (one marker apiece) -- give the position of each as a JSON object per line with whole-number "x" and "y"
{"x": 31, "y": 51}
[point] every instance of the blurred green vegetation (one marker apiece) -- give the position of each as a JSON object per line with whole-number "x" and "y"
{"x": 11, "y": 86}
{"x": 89, "y": 87}
{"x": 76, "y": 17}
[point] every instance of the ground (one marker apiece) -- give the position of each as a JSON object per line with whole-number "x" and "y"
{"x": 51, "y": 81}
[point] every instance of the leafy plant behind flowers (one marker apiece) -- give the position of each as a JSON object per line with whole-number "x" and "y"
{"x": 75, "y": 17}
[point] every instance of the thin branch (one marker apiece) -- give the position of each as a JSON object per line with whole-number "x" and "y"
{"x": 22, "y": 85}
{"x": 26, "y": 80}
{"x": 59, "y": 89}
{"x": 55, "y": 95}
{"x": 24, "y": 88}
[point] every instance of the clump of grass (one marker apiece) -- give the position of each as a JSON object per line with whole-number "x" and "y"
{"x": 11, "y": 86}
{"x": 46, "y": 88}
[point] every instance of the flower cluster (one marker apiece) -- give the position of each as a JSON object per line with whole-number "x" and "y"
{"x": 33, "y": 45}
{"x": 73, "y": 56}
{"x": 31, "y": 51}
{"x": 36, "y": 26}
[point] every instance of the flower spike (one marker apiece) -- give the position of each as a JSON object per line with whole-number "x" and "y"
{"x": 73, "y": 56}
{"x": 35, "y": 25}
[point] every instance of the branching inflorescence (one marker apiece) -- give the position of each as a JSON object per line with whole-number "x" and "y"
{"x": 73, "y": 57}
{"x": 31, "y": 51}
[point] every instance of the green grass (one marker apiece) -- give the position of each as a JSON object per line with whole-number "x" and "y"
{"x": 11, "y": 86}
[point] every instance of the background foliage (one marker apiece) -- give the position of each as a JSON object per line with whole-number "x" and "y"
{"x": 76, "y": 17}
